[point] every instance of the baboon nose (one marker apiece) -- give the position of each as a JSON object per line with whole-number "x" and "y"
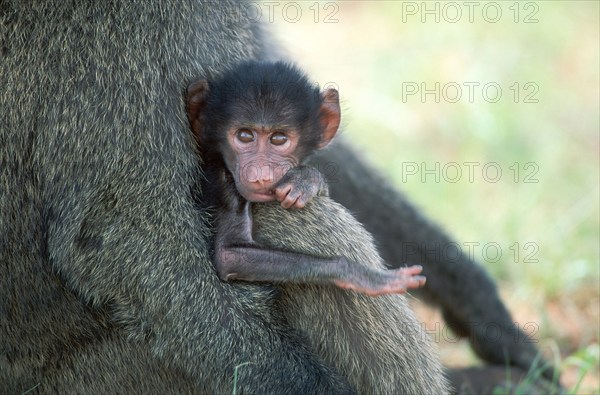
{"x": 265, "y": 175}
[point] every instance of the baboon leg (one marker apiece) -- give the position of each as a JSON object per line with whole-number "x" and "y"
{"x": 374, "y": 341}
{"x": 462, "y": 289}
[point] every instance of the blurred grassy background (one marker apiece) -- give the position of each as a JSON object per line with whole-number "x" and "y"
{"x": 550, "y": 206}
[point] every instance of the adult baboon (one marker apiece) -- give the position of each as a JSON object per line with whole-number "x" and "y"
{"x": 106, "y": 285}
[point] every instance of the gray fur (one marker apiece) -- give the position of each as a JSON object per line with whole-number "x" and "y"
{"x": 376, "y": 342}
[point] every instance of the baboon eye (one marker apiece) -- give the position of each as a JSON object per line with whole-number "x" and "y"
{"x": 278, "y": 138}
{"x": 245, "y": 135}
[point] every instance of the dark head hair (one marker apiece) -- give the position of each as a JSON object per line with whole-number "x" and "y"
{"x": 269, "y": 93}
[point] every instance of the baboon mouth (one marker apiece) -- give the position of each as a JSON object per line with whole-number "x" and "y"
{"x": 260, "y": 196}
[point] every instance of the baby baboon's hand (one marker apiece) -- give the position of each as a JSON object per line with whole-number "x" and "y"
{"x": 383, "y": 282}
{"x": 298, "y": 186}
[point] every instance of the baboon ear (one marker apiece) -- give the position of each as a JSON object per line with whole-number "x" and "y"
{"x": 329, "y": 116}
{"x": 197, "y": 93}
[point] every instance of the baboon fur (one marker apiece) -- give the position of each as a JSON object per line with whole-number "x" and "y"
{"x": 106, "y": 283}
{"x": 376, "y": 342}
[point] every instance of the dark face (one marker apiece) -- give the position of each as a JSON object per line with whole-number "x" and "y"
{"x": 258, "y": 156}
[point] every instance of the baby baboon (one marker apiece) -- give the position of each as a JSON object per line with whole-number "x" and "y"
{"x": 256, "y": 125}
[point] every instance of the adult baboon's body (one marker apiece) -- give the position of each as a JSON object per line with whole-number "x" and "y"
{"x": 107, "y": 285}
